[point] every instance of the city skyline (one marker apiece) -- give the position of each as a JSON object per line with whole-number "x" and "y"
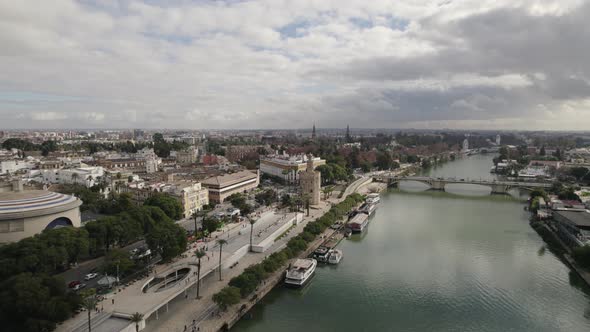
{"x": 270, "y": 64}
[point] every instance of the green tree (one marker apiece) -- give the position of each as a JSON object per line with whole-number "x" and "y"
{"x": 170, "y": 205}
{"x": 384, "y": 160}
{"x": 199, "y": 253}
{"x": 580, "y": 173}
{"x": 211, "y": 224}
{"x": 220, "y": 242}
{"x": 32, "y": 303}
{"x": 227, "y": 297}
{"x": 538, "y": 193}
{"x": 75, "y": 177}
{"x": 195, "y": 216}
{"x": 117, "y": 263}
{"x": 167, "y": 239}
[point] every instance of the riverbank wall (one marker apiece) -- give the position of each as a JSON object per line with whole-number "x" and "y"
{"x": 567, "y": 251}
{"x": 228, "y": 319}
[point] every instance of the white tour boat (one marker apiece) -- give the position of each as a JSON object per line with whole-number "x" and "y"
{"x": 373, "y": 198}
{"x": 300, "y": 272}
{"x": 335, "y": 256}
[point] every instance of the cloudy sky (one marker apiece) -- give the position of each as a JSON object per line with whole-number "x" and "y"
{"x": 494, "y": 64}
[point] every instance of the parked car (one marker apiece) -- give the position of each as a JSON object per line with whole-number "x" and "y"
{"x": 79, "y": 286}
{"x": 73, "y": 283}
{"x": 90, "y": 276}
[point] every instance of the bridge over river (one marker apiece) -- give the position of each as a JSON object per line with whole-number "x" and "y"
{"x": 498, "y": 187}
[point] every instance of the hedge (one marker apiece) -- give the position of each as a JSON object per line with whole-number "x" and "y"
{"x": 252, "y": 276}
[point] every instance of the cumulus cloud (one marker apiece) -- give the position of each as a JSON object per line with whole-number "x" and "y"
{"x": 269, "y": 63}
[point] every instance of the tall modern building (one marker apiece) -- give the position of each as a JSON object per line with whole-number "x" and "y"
{"x": 348, "y": 137}
{"x": 498, "y": 139}
{"x": 313, "y": 132}
{"x": 310, "y": 181}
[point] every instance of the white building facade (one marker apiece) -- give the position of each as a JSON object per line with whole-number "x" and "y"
{"x": 287, "y": 167}
{"x": 86, "y": 176}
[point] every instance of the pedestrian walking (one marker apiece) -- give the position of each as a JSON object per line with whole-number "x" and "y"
{"x": 113, "y": 300}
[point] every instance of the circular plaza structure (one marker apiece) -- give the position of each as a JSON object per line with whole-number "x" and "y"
{"x": 29, "y": 212}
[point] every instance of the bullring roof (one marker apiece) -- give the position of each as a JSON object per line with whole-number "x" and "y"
{"x": 31, "y": 203}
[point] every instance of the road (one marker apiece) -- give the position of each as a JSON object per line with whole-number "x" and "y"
{"x": 92, "y": 265}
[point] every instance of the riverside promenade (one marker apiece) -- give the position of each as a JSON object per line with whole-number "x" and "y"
{"x": 216, "y": 320}
{"x": 203, "y": 311}
{"x": 153, "y": 296}
{"x": 130, "y": 298}
{"x": 173, "y": 307}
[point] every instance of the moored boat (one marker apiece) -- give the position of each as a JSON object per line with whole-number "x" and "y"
{"x": 335, "y": 256}
{"x": 300, "y": 272}
{"x": 373, "y": 198}
{"x": 368, "y": 209}
{"x": 321, "y": 254}
{"x": 359, "y": 223}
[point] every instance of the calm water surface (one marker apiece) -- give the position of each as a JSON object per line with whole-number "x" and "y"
{"x": 430, "y": 261}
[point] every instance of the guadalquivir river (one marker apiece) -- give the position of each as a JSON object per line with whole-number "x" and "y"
{"x": 433, "y": 261}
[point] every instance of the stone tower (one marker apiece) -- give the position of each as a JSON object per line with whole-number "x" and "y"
{"x": 310, "y": 180}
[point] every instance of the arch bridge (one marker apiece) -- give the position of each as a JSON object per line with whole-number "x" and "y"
{"x": 498, "y": 187}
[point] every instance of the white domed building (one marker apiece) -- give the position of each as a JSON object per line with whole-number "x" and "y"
{"x": 24, "y": 213}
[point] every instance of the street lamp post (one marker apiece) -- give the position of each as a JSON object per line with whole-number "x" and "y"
{"x": 118, "y": 273}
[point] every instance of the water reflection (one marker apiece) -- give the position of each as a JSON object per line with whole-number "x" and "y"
{"x": 437, "y": 261}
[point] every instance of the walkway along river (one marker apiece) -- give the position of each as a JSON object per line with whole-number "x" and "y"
{"x": 432, "y": 261}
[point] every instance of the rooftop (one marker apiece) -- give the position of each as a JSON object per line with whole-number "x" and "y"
{"x": 302, "y": 263}
{"x": 578, "y": 218}
{"x": 34, "y": 202}
{"x": 229, "y": 179}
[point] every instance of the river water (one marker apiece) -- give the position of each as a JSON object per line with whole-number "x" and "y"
{"x": 433, "y": 261}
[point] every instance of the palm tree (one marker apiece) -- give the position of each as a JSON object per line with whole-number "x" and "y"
{"x": 252, "y": 222}
{"x": 89, "y": 303}
{"x": 136, "y": 318}
{"x": 305, "y": 202}
{"x": 75, "y": 178}
{"x": 200, "y": 253}
{"x": 221, "y": 242}
{"x": 326, "y": 192}
{"x": 195, "y": 215}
